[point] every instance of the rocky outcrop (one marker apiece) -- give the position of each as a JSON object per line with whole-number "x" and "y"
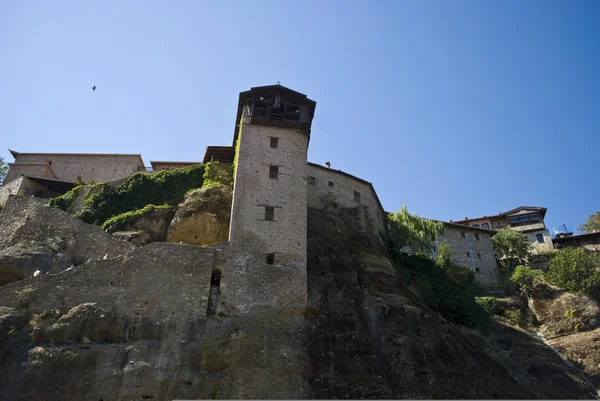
{"x": 137, "y": 327}
{"x": 561, "y": 313}
{"x": 203, "y": 218}
{"x": 34, "y": 237}
{"x": 370, "y": 337}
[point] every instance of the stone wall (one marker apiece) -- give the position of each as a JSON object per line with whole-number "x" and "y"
{"x": 480, "y": 254}
{"x": 250, "y": 281}
{"x": 135, "y": 283}
{"x": 539, "y": 247}
{"x": 11, "y": 188}
{"x": 66, "y": 167}
{"x": 322, "y": 181}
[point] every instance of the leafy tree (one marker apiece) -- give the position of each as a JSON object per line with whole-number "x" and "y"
{"x": 523, "y": 277}
{"x": 3, "y": 169}
{"x": 591, "y": 224}
{"x": 512, "y": 245}
{"x": 406, "y": 229}
{"x": 576, "y": 270}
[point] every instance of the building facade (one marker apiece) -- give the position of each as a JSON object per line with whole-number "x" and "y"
{"x": 528, "y": 220}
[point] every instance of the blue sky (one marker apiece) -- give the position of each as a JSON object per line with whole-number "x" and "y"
{"x": 454, "y": 108}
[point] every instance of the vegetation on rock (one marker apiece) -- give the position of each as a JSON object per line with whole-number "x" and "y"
{"x": 576, "y": 270}
{"x": 118, "y": 222}
{"x": 524, "y": 276}
{"x": 3, "y": 169}
{"x": 406, "y": 229}
{"x": 65, "y": 201}
{"x": 445, "y": 288}
{"x": 512, "y": 245}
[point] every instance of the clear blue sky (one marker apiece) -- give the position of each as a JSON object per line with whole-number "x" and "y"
{"x": 454, "y": 108}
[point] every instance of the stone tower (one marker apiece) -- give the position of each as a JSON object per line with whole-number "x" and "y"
{"x": 267, "y": 237}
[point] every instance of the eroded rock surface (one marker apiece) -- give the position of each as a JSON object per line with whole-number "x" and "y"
{"x": 34, "y": 237}
{"x": 203, "y": 218}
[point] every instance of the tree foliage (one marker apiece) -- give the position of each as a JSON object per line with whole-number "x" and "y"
{"x": 591, "y": 224}
{"x": 406, "y": 229}
{"x": 523, "y": 277}
{"x": 576, "y": 270}
{"x": 512, "y": 245}
{"x": 3, "y": 169}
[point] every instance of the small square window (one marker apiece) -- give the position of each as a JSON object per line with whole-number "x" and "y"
{"x": 312, "y": 180}
{"x": 462, "y": 234}
{"x": 468, "y": 255}
{"x": 477, "y": 236}
{"x": 331, "y": 184}
{"x": 274, "y": 172}
{"x": 477, "y": 269}
{"x": 274, "y": 142}
{"x": 540, "y": 238}
{"x": 356, "y": 197}
{"x": 269, "y": 213}
{"x": 270, "y": 258}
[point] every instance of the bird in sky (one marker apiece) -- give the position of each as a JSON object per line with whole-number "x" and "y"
{"x": 94, "y": 88}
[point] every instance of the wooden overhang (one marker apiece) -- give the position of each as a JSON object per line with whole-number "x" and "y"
{"x": 270, "y": 91}
{"x": 222, "y": 154}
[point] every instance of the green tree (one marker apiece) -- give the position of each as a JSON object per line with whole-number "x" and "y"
{"x": 591, "y": 224}
{"x": 576, "y": 270}
{"x": 512, "y": 245}
{"x": 3, "y": 169}
{"x": 406, "y": 229}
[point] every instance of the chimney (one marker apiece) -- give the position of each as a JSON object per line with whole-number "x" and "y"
{"x": 450, "y": 221}
{"x": 328, "y": 164}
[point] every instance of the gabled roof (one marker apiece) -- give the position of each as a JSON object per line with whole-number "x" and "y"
{"x": 138, "y": 155}
{"x": 542, "y": 211}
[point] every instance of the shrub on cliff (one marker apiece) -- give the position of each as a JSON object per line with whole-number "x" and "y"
{"x": 524, "y": 276}
{"x": 576, "y": 270}
{"x": 445, "y": 288}
{"x": 104, "y": 201}
{"x": 65, "y": 201}
{"x": 120, "y": 221}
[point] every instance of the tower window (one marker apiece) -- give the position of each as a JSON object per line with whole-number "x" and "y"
{"x": 479, "y": 255}
{"x": 463, "y": 235}
{"x": 274, "y": 172}
{"x": 468, "y": 255}
{"x": 477, "y": 236}
{"x": 269, "y": 213}
{"x": 356, "y": 197}
{"x": 312, "y": 180}
{"x": 274, "y": 142}
{"x": 270, "y": 258}
{"x": 540, "y": 238}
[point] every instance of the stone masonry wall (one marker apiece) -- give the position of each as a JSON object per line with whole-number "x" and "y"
{"x": 251, "y": 282}
{"x": 11, "y": 188}
{"x": 160, "y": 280}
{"x": 343, "y": 187}
{"x": 66, "y": 167}
{"x": 539, "y": 247}
{"x": 481, "y": 253}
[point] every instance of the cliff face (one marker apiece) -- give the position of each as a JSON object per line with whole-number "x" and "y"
{"x": 138, "y": 327}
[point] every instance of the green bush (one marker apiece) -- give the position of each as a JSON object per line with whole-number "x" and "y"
{"x": 65, "y": 201}
{"x": 218, "y": 174}
{"x": 167, "y": 187}
{"x": 449, "y": 291}
{"x": 486, "y": 303}
{"x": 523, "y": 277}
{"x": 576, "y": 270}
{"x": 116, "y": 223}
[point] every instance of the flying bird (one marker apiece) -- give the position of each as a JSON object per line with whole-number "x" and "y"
{"x": 94, "y": 88}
